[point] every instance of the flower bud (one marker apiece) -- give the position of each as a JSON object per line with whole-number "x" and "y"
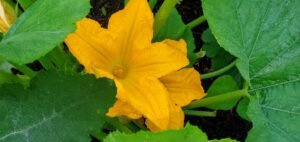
{"x": 7, "y": 15}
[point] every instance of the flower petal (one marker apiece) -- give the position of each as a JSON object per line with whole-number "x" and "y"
{"x": 180, "y": 45}
{"x": 93, "y": 46}
{"x": 121, "y": 108}
{"x": 148, "y": 96}
{"x": 183, "y": 86}
{"x": 158, "y": 60}
{"x": 134, "y": 25}
{"x": 176, "y": 120}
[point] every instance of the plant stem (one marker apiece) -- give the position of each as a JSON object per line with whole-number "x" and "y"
{"x": 46, "y": 63}
{"x": 219, "y": 72}
{"x": 25, "y": 70}
{"x": 163, "y": 14}
{"x": 217, "y": 99}
{"x": 201, "y": 113}
{"x": 152, "y": 3}
{"x": 196, "y": 22}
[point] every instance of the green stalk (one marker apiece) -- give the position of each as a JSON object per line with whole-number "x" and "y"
{"x": 61, "y": 59}
{"x": 152, "y": 3}
{"x": 200, "y": 113}
{"x": 163, "y": 14}
{"x": 58, "y": 57}
{"x": 46, "y": 63}
{"x": 25, "y": 70}
{"x": 219, "y": 72}
{"x": 196, "y": 22}
{"x": 217, "y": 99}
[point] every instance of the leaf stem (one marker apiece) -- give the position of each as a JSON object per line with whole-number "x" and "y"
{"x": 163, "y": 13}
{"x": 200, "y": 113}
{"x": 217, "y": 99}
{"x": 46, "y": 63}
{"x": 219, "y": 72}
{"x": 196, "y": 22}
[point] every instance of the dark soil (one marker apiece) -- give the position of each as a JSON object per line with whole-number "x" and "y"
{"x": 226, "y": 123}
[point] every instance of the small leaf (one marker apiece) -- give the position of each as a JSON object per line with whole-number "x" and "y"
{"x": 188, "y": 134}
{"x": 57, "y": 107}
{"x": 219, "y": 57}
{"x": 223, "y": 84}
{"x": 242, "y": 108}
{"x": 43, "y": 26}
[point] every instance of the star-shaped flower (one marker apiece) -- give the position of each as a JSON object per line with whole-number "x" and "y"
{"x": 142, "y": 71}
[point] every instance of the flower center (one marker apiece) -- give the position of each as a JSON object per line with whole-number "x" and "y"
{"x": 119, "y": 72}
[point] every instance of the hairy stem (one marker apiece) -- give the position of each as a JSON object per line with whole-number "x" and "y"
{"x": 196, "y": 22}
{"x": 219, "y": 72}
{"x": 217, "y": 99}
{"x": 200, "y": 113}
{"x": 163, "y": 13}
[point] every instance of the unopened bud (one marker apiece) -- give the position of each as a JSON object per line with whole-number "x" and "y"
{"x": 8, "y": 16}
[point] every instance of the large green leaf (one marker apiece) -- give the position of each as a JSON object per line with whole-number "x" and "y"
{"x": 264, "y": 35}
{"x": 44, "y": 25}
{"x": 188, "y": 134}
{"x": 276, "y": 118}
{"x": 175, "y": 29}
{"x": 57, "y": 107}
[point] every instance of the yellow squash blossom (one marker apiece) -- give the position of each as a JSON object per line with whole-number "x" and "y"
{"x": 145, "y": 73}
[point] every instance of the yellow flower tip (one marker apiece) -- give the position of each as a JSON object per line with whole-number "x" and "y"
{"x": 8, "y": 16}
{"x": 123, "y": 109}
{"x": 179, "y": 45}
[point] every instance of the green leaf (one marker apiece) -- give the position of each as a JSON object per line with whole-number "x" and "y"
{"x": 223, "y": 84}
{"x": 57, "y": 107}
{"x": 26, "y": 3}
{"x": 188, "y": 134}
{"x": 44, "y": 25}
{"x": 175, "y": 29}
{"x": 242, "y": 108}
{"x": 264, "y": 35}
